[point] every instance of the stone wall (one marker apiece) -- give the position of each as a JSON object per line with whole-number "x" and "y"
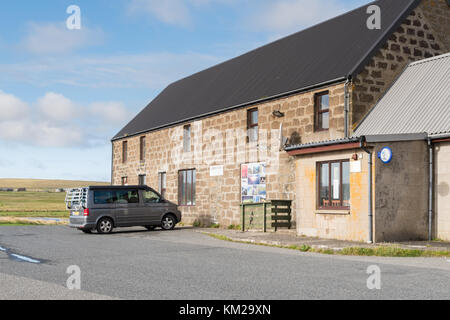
{"x": 420, "y": 36}
{"x": 218, "y": 198}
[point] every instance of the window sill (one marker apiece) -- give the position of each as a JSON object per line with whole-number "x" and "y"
{"x": 345, "y": 212}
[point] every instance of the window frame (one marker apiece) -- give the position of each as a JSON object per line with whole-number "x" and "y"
{"x": 124, "y": 181}
{"x": 162, "y": 183}
{"x": 183, "y": 199}
{"x": 251, "y": 125}
{"x": 341, "y": 189}
{"x": 142, "y": 142}
{"x": 187, "y": 138}
{"x": 144, "y": 177}
{"x": 318, "y": 113}
{"x": 124, "y": 151}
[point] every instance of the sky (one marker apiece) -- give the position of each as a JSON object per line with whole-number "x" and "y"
{"x": 65, "y": 93}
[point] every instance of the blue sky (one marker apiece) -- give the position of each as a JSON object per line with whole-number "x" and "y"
{"x": 65, "y": 93}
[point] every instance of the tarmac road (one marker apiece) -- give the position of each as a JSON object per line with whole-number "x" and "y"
{"x": 185, "y": 264}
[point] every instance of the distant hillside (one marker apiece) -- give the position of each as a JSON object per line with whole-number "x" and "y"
{"x": 37, "y": 184}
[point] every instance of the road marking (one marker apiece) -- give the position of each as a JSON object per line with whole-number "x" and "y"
{"x": 24, "y": 258}
{"x": 18, "y": 256}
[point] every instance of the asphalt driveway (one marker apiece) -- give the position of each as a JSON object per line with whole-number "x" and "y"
{"x": 185, "y": 264}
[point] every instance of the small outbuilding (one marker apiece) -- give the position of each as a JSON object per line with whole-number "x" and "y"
{"x": 390, "y": 180}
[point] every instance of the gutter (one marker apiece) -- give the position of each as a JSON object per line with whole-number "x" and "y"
{"x": 112, "y": 163}
{"x": 440, "y": 137}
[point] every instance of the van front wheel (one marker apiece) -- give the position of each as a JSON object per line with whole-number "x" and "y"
{"x": 168, "y": 222}
{"x": 105, "y": 226}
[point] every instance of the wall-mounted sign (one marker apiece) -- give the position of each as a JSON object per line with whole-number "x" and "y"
{"x": 355, "y": 166}
{"x": 253, "y": 183}
{"x": 216, "y": 171}
{"x": 385, "y": 155}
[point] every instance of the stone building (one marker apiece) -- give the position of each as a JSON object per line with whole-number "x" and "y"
{"x": 217, "y": 138}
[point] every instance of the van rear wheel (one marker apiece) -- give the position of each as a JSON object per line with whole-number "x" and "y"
{"x": 105, "y": 226}
{"x": 168, "y": 222}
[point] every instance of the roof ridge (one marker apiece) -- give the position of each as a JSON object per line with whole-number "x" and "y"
{"x": 274, "y": 41}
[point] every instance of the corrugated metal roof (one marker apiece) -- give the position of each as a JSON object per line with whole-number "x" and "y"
{"x": 418, "y": 101}
{"x": 328, "y": 51}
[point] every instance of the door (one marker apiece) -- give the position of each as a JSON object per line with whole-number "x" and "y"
{"x": 153, "y": 206}
{"x": 127, "y": 207}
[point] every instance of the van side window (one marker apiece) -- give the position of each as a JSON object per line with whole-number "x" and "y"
{"x": 127, "y": 196}
{"x": 103, "y": 197}
{"x": 150, "y": 197}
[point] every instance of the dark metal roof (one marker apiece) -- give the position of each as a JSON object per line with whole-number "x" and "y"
{"x": 330, "y": 51}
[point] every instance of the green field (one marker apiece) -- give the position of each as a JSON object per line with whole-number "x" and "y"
{"x": 33, "y": 204}
{"x": 37, "y": 184}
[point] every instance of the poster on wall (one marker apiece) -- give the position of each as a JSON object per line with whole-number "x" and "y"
{"x": 253, "y": 183}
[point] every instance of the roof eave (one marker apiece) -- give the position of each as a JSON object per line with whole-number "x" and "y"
{"x": 243, "y": 105}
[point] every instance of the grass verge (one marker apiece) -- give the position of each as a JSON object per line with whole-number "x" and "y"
{"x": 12, "y": 221}
{"x": 34, "y": 214}
{"x": 381, "y": 251}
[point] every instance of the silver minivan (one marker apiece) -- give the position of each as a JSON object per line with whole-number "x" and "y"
{"x": 104, "y": 208}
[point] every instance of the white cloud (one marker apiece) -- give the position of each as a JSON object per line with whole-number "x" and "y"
{"x": 56, "y": 107}
{"x": 52, "y": 122}
{"x": 55, "y": 38}
{"x": 152, "y": 70}
{"x": 173, "y": 12}
{"x": 11, "y": 107}
{"x": 111, "y": 112}
{"x": 284, "y": 16}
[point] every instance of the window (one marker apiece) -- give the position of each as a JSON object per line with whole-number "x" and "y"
{"x": 186, "y": 187}
{"x": 322, "y": 111}
{"x": 124, "y": 151}
{"x": 252, "y": 125}
{"x": 151, "y": 197}
{"x": 127, "y": 196}
{"x": 142, "y": 149}
{"x": 187, "y": 138}
{"x": 334, "y": 184}
{"x": 142, "y": 180}
{"x": 162, "y": 180}
{"x": 104, "y": 197}
{"x": 124, "y": 181}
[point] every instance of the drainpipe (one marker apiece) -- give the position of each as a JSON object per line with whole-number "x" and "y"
{"x": 346, "y": 106}
{"x": 112, "y": 163}
{"x": 370, "y": 189}
{"x": 430, "y": 190}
